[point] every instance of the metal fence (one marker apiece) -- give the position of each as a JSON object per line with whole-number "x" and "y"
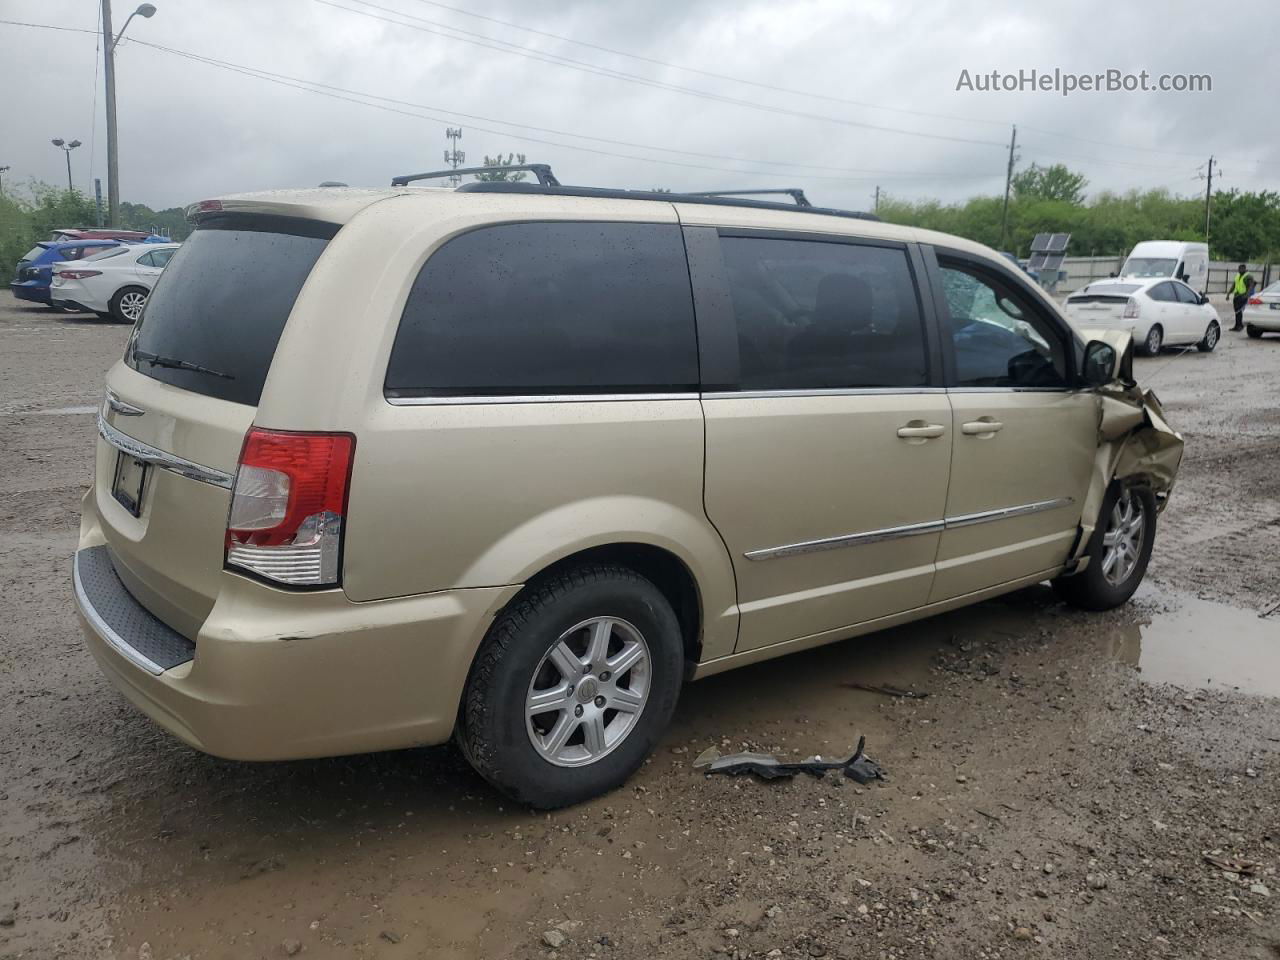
{"x": 1082, "y": 271}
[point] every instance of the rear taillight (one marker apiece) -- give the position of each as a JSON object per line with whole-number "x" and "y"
{"x": 1255, "y": 301}
{"x": 1131, "y": 309}
{"x": 288, "y": 506}
{"x": 77, "y": 274}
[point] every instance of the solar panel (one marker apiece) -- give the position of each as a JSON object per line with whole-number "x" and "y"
{"x": 1053, "y": 261}
{"x": 1037, "y": 261}
{"x": 1041, "y": 243}
{"x": 1058, "y": 242}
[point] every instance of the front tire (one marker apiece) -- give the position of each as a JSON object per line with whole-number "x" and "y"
{"x": 573, "y": 686}
{"x": 1254, "y": 332}
{"x": 1118, "y": 553}
{"x": 1211, "y": 337}
{"x": 1154, "y": 341}
{"x": 127, "y": 304}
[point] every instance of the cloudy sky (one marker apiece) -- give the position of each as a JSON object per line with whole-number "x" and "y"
{"x": 835, "y": 97}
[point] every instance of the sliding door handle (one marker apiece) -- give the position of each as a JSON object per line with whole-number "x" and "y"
{"x": 919, "y": 430}
{"x": 982, "y": 427}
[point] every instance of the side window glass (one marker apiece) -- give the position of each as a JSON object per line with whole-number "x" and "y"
{"x": 71, "y": 253}
{"x": 549, "y": 308}
{"x": 160, "y": 257}
{"x": 1184, "y": 294}
{"x": 814, "y": 315}
{"x": 1000, "y": 339}
{"x": 147, "y": 259}
{"x": 1162, "y": 293}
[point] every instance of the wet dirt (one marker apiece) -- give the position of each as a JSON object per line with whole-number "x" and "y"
{"x": 1053, "y": 794}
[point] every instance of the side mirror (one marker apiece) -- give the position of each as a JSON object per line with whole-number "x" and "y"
{"x": 1202, "y": 299}
{"x": 1099, "y": 367}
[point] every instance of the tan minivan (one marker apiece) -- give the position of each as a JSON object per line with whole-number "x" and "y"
{"x": 511, "y": 462}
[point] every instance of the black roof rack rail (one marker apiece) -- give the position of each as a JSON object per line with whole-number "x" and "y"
{"x": 607, "y": 193}
{"x": 795, "y": 193}
{"x": 540, "y": 170}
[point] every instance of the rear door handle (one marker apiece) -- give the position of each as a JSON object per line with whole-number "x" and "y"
{"x": 984, "y": 427}
{"x": 919, "y": 430}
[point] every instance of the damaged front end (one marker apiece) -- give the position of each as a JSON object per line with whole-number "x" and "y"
{"x": 1136, "y": 445}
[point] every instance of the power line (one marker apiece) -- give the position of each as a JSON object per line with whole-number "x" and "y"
{"x": 705, "y": 73}
{"x": 340, "y": 93}
{"x": 503, "y": 46}
{"x": 780, "y": 89}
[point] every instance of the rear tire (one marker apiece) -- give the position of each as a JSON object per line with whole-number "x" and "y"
{"x": 1211, "y": 337}
{"x": 1254, "y": 332}
{"x": 103, "y": 316}
{"x": 127, "y": 304}
{"x": 1118, "y": 553}
{"x": 1154, "y": 341}
{"x": 552, "y": 648}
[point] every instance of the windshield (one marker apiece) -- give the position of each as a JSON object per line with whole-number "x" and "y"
{"x": 222, "y": 302}
{"x": 1149, "y": 267}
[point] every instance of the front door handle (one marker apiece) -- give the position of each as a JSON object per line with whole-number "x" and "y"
{"x": 919, "y": 430}
{"x": 982, "y": 427}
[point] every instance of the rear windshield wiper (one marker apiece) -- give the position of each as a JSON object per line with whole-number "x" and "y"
{"x": 156, "y": 360}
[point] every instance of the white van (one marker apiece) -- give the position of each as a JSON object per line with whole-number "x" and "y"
{"x": 1188, "y": 262}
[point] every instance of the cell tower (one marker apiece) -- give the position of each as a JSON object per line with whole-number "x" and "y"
{"x": 453, "y": 156}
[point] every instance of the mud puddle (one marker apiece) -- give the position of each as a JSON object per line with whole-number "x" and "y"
{"x": 1198, "y": 644}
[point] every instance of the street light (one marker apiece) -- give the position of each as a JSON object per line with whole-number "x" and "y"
{"x": 2, "y": 170}
{"x": 145, "y": 10}
{"x": 66, "y": 148}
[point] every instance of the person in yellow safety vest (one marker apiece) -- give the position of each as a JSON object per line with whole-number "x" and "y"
{"x": 1241, "y": 288}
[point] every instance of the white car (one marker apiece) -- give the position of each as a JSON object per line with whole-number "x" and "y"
{"x": 1158, "y": 312}
{"x": 114, "y": 284}
{"x": 1262, "y": 314}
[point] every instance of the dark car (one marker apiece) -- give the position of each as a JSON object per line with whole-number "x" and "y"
{"x": 34, "y": 275}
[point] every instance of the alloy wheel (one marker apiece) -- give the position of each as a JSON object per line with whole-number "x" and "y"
{"x": 131, "y": 305}
{"x": 1154, "y": 340}
{"x": 1211, "y": 336}
{"x": 1122, "y": 540}
{"x": 588, "y": 692}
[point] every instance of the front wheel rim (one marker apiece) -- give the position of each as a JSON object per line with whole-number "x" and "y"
{"x": 1153, "y": 340}
{"x": 1211, "y": 338}
{"x": 131, "y": 305}
{"x": 1122, "y": 540}
{"x": 588, "y": 692}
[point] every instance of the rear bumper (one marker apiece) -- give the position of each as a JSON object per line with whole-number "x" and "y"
{"x": 1268, "y": 320}
{"x": 277, "y": 675}
{"x": 30, "y": 290}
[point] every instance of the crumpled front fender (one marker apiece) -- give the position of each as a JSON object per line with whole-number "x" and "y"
{"x": 1135, "y": 445}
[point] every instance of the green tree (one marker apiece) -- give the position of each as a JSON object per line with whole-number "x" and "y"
{"x": 1049, "y": 183}
{"x": 503, "y": 175}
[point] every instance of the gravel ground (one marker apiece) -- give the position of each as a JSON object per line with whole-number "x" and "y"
{"x": 1050, "y": 796}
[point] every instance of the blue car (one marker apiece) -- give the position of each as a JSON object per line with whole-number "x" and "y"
{"x": 34, "y": 275}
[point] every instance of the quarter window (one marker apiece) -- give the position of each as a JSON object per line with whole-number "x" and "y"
{"x": 1185, "y": 294}
{"x": 549, "y": 308}
{"x": 1162, "y": 292}
{"x": 1000, "y": 339}
{"x": 819, "y": 315}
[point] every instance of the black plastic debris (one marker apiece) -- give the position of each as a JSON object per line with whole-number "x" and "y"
{"x": 857, "y": 766}
{"x": 887, "y": 690}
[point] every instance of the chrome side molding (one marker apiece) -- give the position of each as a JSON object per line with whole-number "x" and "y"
{"x": 160, "y": 458}
{"x": 907, "y": 530}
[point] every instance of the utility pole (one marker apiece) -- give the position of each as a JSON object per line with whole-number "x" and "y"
{"x": 876, "y": 208}
{"x": 109, "y": 41}
{"x": 1208, "y": 194}
{"x": 1008, "y": 183}
{"x": 109, "y": 76}
{"x": 2, "y": 170}
{"x": 453, "y": 156}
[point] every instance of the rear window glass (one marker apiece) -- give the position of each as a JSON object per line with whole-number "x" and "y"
{"x": 109, "y": 253}
{"x": 222, "y": 302}
{"x": 33, "y": 253}
{"x": 549, "y": 308}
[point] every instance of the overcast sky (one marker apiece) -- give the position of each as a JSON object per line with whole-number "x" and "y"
{"x": 190, "y": 130}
